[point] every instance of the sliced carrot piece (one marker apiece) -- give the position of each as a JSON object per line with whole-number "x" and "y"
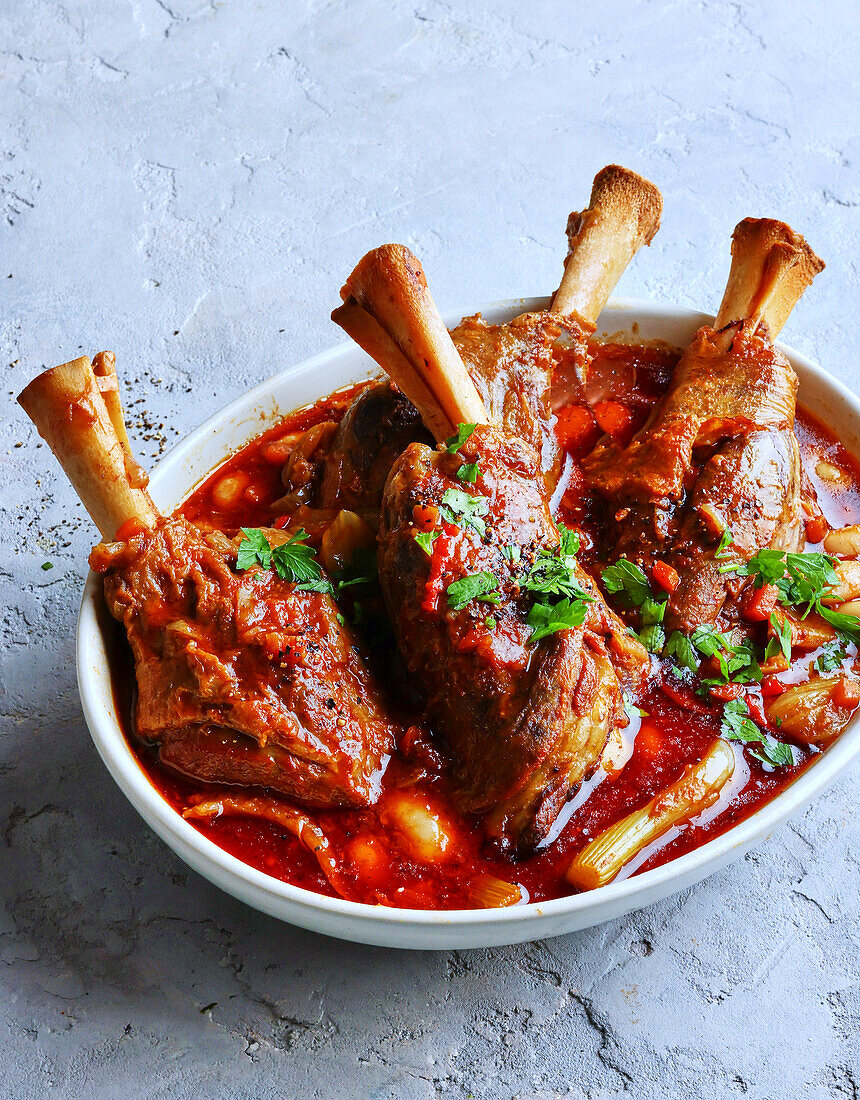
{"x": 615, "y": 419}
{"x": 576, "y": 429}
{"x": 758, "y": 603}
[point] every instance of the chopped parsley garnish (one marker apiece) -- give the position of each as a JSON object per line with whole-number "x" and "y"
{"x": 293, "y": 561}
{"x": 46, "y": 565}
{"x": 553, "y": 573}
{"x": 477, "y": 586}
{"x": 546, "y": 619}
{"x": 722, "y": 551}
{"x": 468, "y": 473}
{"x": 803, "y": 580}
{"x": 653, "y": 637}
{"x": 736, "y": 725}
{"x": 832, "y": 656}
{"x": 781, "y": 640}
{"x": 425, "y": 540}
{"x": 456, "y": 441}
{"x": 682, "y": 649}
{"x": 627, "y": 581}
{"x": 464, "y": 510}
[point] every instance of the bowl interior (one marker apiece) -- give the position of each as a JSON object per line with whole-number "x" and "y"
{"x": 204, "y": 449}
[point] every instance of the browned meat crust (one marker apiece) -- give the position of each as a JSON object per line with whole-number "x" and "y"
{"x": 525, "y": 723}
{"x": 719, "y": 453}
{"x": 241, "y": 678}
{"x": 377, "y": 427}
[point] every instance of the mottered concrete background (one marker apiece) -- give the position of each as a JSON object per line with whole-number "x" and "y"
{"x": 188, "y": 183}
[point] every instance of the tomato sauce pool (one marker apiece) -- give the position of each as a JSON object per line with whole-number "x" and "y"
{"x": 673, "y": 727}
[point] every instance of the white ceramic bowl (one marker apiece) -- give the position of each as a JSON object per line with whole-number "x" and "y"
{"x": 227, "y": 431}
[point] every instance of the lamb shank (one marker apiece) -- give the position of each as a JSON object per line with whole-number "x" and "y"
{"x": 525, "y": 699}
{"x": 718, "y": 462}
{"x": 511, "y": 365}
{"x": 243, "y": 677}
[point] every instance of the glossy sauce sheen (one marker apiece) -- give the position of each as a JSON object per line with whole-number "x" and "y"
{"x": 377, "y": 859}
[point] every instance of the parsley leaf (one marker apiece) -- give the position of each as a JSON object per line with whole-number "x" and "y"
{"x": 568, "y": 541}
{"x": 477, "y": 586}
{"x": 254, "y": 549}
{"x": 468, "y": 473}
{"x": 803, "y": 580}
{"x": 652, "y": 611}
{"x": 736, "y": 725}
{"x": 773, "y": 752}
{"x": 653, "y": 637}
{"x": 455, "y": 442}
{"x": 781, "y": 639}
{"x": 320, "y": 584}
{"x": 293, "y": 561}
{"x": 628, "y": 581}
{"x": 553, "y": 573}
{"x": 726, "y": 540}
{"x": 681, "y": 648}
{"x": 362, "y": 569}
{"x": 546, "y": 619}
{"x": 425, "y": 540}
{"x": 457, "y": 505}
{"x": 846, "y": 625}
{"x": 832, "y": 656}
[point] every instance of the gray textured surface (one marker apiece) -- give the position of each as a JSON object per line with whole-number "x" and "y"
{"x": 187, "y": 183}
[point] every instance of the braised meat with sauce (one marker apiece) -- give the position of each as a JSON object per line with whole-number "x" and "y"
{"x": 512, "y": 367}
{"x": 718, "y": 457}
{"x": 525, "y": 722}
{"x": 242, "y": 677}
{"x": 511, "y": 364}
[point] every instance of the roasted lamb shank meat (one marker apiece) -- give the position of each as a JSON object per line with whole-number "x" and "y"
{"x": 511, "y": 364}
{"x": 242, "y": 677}
{"x": 465, "y": 530}
{"x": 718, "y": 459}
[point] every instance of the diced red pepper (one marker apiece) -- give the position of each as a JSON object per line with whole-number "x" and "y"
{"x": 758, "y": 603}
{"x": 281, "y": 522}
{"x": 724, "y": 692}
{"x": 665, "y": 576}
{"x": 434, "y": 585}
{"x": 754, "y": 705}
{"x": 684, "y": 697}
{"x": 772, "y": 685}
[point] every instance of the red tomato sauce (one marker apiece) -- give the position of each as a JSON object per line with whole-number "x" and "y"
{"x": 675, "y": 729}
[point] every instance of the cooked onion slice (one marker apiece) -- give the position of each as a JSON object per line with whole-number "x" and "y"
{"x": 296, "y": 822}
{"x": 698, "y": 788}
{"x": 815, "y": 712}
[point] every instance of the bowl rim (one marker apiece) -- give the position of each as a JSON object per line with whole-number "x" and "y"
{"x": 232, "y": 874}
